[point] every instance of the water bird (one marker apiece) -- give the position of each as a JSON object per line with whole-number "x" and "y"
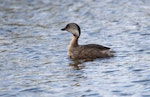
{"x": 89, "y": 51}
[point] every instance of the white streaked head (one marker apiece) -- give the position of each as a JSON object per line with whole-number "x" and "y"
{"x": 73, "y": 28}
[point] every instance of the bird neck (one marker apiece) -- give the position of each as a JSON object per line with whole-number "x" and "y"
{"x": 74, "y": 41}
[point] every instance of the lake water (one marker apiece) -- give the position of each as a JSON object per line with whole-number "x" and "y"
{"x": 33, "y": 49}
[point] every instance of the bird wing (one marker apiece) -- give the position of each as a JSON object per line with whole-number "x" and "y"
{"x": 96, "y": 46}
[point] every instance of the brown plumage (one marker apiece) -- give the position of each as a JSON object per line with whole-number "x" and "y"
{"x": 90, "y": 51}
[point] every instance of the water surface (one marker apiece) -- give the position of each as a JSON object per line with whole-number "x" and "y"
{"x": 33, "y": 49}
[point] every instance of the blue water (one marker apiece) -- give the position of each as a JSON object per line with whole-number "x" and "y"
{"x": 33, "y": 49}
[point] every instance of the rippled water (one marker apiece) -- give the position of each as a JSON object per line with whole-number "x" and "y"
{"x": 33, "y": 59}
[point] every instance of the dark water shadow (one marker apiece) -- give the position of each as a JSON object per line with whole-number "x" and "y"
{"x": 78, "y": 64}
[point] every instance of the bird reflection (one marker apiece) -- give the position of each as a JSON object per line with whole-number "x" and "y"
{"x": 78, "y": 64}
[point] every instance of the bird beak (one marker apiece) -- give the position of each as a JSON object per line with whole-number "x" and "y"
{"x": 63, "y": 29}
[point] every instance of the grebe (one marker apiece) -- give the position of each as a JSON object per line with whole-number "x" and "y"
{"x": 89, "y": 51}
